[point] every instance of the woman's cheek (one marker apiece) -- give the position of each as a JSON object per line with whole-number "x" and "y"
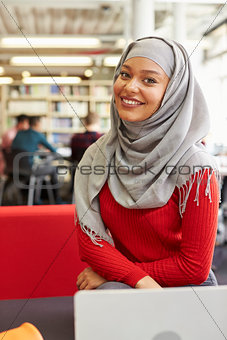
{"x": 116, "y": 88}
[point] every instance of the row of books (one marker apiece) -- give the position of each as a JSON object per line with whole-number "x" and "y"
{"x": 66, "y": 123}
{"x": 73, "y": 90}
{"x": 71, "y": 107}
{"x": 103, "y": 109}
{"x": 101, "y": 91}
{"x": 105, "y": 124}
{"x": 29, "y": 107}
{"x": 42, "y": 90}
{"x": 31, "y": 90}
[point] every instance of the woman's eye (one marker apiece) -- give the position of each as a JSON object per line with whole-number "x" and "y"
{"x": 124, "y": 75}
{"x": 150, "y": 81}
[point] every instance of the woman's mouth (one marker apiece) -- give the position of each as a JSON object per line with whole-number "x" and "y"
{"x": 130, "y": 102}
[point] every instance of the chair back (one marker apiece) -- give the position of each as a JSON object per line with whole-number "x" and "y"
{"x": 22, "y": 167}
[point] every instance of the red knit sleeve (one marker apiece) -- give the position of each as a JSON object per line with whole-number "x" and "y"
{"x": 192, "y": 263}
{"x": 107, "y": 261}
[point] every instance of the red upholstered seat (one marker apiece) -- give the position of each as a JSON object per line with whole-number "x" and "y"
{"x": 38, "y": 251}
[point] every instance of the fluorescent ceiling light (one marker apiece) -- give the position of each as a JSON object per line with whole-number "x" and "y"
{"x": 6, "y": 80}
{"x": 51, "y": 61}
{"x": 49, "y": 42}
{"x": 111, "y": 61}
{"x": 51, "y": 80}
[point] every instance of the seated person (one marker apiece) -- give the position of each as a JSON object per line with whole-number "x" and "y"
{"x": 22, "y": 123}
{"x": 30, "y": 141}
{"x": 81, "y": 141}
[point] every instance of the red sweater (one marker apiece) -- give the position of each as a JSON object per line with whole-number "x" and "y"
{"x": 174, "y": 251}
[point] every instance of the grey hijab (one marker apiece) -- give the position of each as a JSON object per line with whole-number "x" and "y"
{"x": 145, "y": 161}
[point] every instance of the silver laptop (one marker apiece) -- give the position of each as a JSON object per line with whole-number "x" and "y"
{"x": 198, "y": 313}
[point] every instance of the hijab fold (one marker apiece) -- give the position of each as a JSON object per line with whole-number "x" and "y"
{"x": 142, "y": 161}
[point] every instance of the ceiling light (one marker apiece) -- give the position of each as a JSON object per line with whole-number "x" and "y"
{"x": 51, "y": 61}
{"x": 48, "y": 42}
{"x": 51, "y": 80}
{"x": 88, "y": 73}
{"x": 1, "y": 70}
{"x": 111, "y": 61}
{"x": 26, "y": 74}
{"x": 6, "y": 80}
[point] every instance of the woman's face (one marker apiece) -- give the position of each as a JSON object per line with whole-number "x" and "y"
{"x": 139, "y": 89}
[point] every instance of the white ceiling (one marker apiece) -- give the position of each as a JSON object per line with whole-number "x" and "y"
{"x": 106, "y": 20}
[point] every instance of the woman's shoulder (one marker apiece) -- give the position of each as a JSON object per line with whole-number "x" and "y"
{"x": 199, "y": 161}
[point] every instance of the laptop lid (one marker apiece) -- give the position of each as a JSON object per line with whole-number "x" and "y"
{"x": 192, "y": 313}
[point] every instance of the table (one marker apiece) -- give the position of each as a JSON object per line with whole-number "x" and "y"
{"x": 54, "y": 317}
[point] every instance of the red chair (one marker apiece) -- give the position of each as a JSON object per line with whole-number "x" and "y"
{"x": 38, "y": 251}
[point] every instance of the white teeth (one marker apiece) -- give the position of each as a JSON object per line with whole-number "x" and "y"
{"x": 131, "y": 102}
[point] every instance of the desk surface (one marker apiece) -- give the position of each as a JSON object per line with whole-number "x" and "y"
{"x": 53, "y": 317}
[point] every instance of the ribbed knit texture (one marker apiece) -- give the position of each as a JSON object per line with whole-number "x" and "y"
{"x": 174, "y": 251}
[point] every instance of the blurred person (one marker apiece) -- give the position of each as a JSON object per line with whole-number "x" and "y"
{"x": 32, "y": 140}
{"x": 81, "y": 141}
{"x": 22, "y": 123}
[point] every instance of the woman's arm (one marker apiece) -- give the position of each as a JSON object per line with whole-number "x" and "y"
{"x": 192, "y": 263}
{"x": 110, "y": 264}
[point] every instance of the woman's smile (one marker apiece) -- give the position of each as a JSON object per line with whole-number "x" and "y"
{"x": 130, "y": 102}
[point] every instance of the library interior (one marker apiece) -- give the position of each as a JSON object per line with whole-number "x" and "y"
{"x": 57, "y": 65}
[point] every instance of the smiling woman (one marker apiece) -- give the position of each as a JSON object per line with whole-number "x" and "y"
{"x": 139, "y": 89}
{"x": 141, "y": 223}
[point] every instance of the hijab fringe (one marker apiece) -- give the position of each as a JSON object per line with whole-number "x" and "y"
{"x": 185, "y": 189}
{"x": 95, "y": 238}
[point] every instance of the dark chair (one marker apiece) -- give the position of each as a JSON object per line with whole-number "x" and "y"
{"x": 22, "y": 175}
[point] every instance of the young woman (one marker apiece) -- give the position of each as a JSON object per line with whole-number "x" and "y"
{"x": 146, "y": 193}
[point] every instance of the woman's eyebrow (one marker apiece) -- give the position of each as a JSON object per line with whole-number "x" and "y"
{"x": 143, "y": 71}
{"x": 151, "y": 71}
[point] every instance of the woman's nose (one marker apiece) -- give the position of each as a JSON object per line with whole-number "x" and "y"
{"x": 132, "y": 85}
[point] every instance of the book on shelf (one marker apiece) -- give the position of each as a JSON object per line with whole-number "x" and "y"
{"x": 11, "y": 121}
{"x": 71, "y": 107}
{"x": 80, "y": 90}
{"x": 62, "y": 122}
{"x": 29, "y": 107}
{"x": 35, "y": 90}
{"x": 68, "y": 90}
{"x": 105, "y": 124}
{"x": 77, "y": 123}
{"x": 61, "y": 138}
{"x": 103, "y": 109}
{"x": 101, "y": 91}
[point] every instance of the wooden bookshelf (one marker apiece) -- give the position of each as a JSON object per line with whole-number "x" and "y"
{"x": 62, "y": 107}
